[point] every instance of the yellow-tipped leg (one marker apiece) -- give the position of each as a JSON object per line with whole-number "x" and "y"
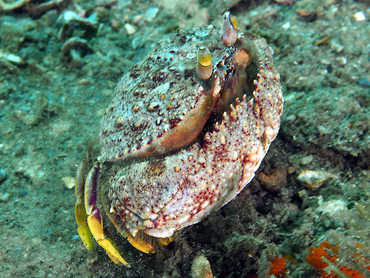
{"x": 142, "y": 242}
{"x": 165, "y": 241}
{"x": 147, "y": 244}
{"x": 83, "y": 229}
{"x": 96, "y": 227}
{"x": 86, "y": 237}
{"x": 80, "y": 212}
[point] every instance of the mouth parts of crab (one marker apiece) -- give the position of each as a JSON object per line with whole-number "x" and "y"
{"x": 236, "y": 73}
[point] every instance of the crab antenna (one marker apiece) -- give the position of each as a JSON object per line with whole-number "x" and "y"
{"x": 204, "y": 67}
{"x": 230, "y": 29}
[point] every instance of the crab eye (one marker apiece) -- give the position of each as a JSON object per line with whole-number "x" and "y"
{"x": 204, "y": 67}
{"x": 230, "y": 29}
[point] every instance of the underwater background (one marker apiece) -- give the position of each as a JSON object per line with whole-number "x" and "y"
{"x": 305, "y": 214}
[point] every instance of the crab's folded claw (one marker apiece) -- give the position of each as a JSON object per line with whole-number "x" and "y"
{"x": 96, "y": 227}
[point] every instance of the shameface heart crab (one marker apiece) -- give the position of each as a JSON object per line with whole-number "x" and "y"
{"x": 183, "y": 135}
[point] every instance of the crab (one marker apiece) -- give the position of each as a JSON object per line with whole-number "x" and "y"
{"x": 186, "y": 131}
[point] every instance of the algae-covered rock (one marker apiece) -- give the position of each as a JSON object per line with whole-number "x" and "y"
{"x": 201, "y": 268}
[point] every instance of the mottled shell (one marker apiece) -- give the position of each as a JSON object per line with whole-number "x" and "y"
{"x": 162, "y": 195}
{"x": 160, "y": 105}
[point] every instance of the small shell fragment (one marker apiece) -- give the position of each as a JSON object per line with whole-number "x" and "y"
{"x": 359, "y": 16}
{"x": 5, "y": 197}
{"x": 130, "y": 29}
{"x": 201, "y": 268}
{"x": 3, "y": 175}
{"x": 314, "y": 179}
{"x": 15, "y": 59}
{"x": 69, "y": 182}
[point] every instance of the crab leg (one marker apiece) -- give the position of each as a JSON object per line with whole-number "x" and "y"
{"x": 80, "y": 212}
{"x": 94, "y": 219}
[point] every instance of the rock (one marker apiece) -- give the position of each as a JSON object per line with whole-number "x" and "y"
{"x": 5, "y": 197}
{"x": 306, "y": 160}
{"x": 3, "y": 175}
{"x": 151, "y": 13}
{"x": 275, "y": 180}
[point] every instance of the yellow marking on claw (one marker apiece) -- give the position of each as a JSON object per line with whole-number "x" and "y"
{"x": 96, "y": 228}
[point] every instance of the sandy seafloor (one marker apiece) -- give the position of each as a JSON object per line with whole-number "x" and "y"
{"x": 53, "y": 95}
